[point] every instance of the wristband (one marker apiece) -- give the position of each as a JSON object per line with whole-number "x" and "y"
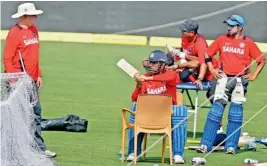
{"x": 208, "y": 60}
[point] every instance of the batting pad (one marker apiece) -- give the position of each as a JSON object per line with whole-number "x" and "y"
{"x": 235, "y": 118}
{"x": 212, "y": 125}
{"x": 179, "y": 132}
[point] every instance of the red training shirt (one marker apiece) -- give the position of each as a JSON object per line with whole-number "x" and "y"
{"x": 195, "y": 48}
{"x": 235, "y": 54}
{"x": 27, "y": 42}
{"x": 198, "y": 48}
{"x": 164, "y": 83}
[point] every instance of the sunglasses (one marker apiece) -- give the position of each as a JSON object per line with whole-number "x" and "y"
{"x": 153, "y": 62}
{"x": 232, "y": 18}
{"x": 185, "y": 30}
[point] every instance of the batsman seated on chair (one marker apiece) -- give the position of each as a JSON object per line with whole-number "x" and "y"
{"x": 158, "y": 80}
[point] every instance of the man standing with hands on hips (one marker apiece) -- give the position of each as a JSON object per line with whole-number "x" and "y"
{"x": 23, "y": 40}
{"x": 231, "y": 82}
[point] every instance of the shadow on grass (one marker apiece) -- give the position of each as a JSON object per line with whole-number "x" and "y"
{"x": 155, "y": 160}
{"x": 190, "y": 135}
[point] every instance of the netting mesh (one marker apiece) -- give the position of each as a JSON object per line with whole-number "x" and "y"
{"x": 18, "y": 147}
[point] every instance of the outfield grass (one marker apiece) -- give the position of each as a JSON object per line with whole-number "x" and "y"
{"x": 83, "y": 79}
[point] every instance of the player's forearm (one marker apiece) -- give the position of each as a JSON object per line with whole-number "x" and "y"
{"x": 164, "y": 77}
{"x": 190, "y": 57}
{"x": 202, "y": 72}
{"x": 191, "y": 64}
{"x": 208, "y": 61}
{"x": 259, "y": 68}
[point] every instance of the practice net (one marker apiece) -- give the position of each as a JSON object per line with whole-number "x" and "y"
{"x": 18, "y": 147}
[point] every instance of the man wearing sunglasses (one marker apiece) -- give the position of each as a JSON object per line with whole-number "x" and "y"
{"x": 236, "y": 52}
{"x": 23, "y": 38}
{"x": 158, "y": 80}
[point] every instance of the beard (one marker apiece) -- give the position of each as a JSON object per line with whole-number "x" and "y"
{"x": 230, "y": 33}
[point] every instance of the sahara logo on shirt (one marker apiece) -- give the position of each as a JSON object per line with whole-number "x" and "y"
{"x": 158, "y": 90}
{"x": 31, "y": 41}
{"x": 233, "y": 50}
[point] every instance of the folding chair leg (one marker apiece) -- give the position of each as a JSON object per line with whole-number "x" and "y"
{"x": 190, "y": 99}
{"x": 195, "y": 117}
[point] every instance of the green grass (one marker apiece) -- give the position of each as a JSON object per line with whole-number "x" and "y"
{"x": 83, "y": 79}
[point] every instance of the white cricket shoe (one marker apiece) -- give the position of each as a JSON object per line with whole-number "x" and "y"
{"x": 220, "y": 131}
{"x": 177, "y": 159}
{"x": 172, "y": 51}
{"x": 131, "y": 157}
{"x": 49, "y": 154}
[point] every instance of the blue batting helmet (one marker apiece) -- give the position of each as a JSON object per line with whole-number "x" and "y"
{"x": 158, "y": 56}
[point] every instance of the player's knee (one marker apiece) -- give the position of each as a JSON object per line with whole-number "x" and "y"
{"x": 184, "y": 75}
{"x": 216, "y": 112}
{"x": 221, "y": 101}
{"x": 235, "y": 112}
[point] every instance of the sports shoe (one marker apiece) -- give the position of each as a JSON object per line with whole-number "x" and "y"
{"x": 131, "y": 157}
{"x": 202, "y": 149}
{"x": 230, "y": 150}
{"x": 250, "y": 146}
{"x": 220, "y": 131}
{"x": 245, "y": 138}
{"x": 172, "y": 51}
{"x": 177, "y": 159}
{"x": 49, "y": 154}
{"x": 262, "y": 141}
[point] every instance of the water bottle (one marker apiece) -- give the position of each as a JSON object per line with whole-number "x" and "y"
{"x": 251, "y": 161}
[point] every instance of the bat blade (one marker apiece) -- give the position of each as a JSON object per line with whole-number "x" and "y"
{"x": 127, "y": 68}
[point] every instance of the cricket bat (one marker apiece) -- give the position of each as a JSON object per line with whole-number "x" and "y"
{"x": 127, "y": 68}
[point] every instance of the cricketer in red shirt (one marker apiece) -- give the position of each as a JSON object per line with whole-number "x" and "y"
{"x": 25, "y": 41}
{"x": 235, "y": 55}
{"x": 236, "y": 51}
{"x": 162, "y": 83}
{"x": 197, "y": 48}
{"x": 193, "y": 48}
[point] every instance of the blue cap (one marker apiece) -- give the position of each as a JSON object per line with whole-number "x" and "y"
{"x": 235, "y": 20}
{"x": 158, "y": 56}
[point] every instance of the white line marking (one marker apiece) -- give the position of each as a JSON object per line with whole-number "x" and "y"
{"x": 181, "y": 21}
